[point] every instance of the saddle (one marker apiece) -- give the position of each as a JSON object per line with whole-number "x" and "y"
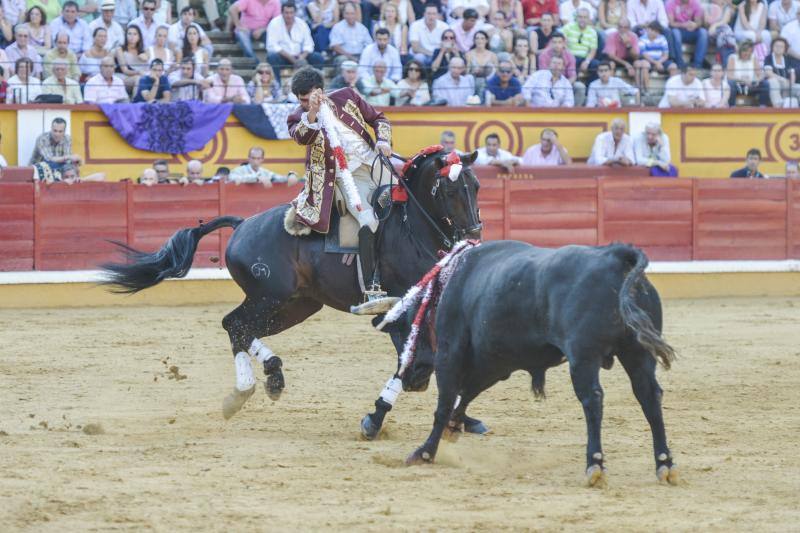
{"x": 342, "y": 236}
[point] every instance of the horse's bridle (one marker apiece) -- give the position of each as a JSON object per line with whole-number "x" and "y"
{"x": 458, "y": 233}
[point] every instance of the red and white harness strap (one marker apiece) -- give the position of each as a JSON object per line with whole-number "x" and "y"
{"x": 426, "y": 292}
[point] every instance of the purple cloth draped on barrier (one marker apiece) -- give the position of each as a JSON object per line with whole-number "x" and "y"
{"x": 174, "y": 128}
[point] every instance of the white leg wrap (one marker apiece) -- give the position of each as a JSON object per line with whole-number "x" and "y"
{"x": 245, "y": 380}
{"x": 260, "y": 351}
{"x": 392, "y": 390}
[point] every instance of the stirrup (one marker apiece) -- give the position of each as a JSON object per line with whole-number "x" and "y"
{"x": 376, "y": 302}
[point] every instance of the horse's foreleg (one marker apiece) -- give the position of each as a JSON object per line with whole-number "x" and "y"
{"x": 371, "y": 424}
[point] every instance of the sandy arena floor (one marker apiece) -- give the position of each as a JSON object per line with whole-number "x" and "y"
{"x": 158, "y": 455}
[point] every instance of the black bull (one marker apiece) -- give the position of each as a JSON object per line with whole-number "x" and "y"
{"x": 511, "y": 306}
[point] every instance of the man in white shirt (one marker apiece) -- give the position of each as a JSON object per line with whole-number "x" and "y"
{"x": 791, "y": 32}
{"x": 457, "y": 8}
{"x": 178, "y": 30}
{"x": 781, "y": 12}
{"x": 104, "y": 87}
{"x": 23, "y": 87}
{"x": 146, "y": 23}
{"x": 568, "y": 10}
{"x": 349, "y": 37}
{"x": 454, "y": 87}
{"x": 613, "y": 148}
{"x": 79, "y": 37}
{"x": 14, "y": 11}
{"x": 125, "y": 12}
{"x": 492, "y": 154}
{"x": 651, "y": 148}
{"x": 378, "y": 88}
{"x": 549, "y": 151}
{"x": 381, "y": 49}
{"x": 116, "y": 35}
{"x": 253, "y": 172}
{"x": 549, "y": 88}
{"x": 683, "y": 90}
{"x": 186, "y": 82}
{"x": 607, "y": 90}
{"x": 425, "y": 34}
{"x": 289, "y": 41}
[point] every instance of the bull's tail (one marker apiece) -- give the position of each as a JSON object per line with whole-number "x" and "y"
{"x": 173, "y": 260}
{"x": 637, "y": 319}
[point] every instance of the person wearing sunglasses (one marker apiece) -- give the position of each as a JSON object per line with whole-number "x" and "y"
{"x": 146, "y": 23}
{"x": 504, "y": 89}
{"x": 412, "y": 89}
{"x": 582, "y": 42}
{"x": 549, "y": 88}
{"x": 446, "y": 52}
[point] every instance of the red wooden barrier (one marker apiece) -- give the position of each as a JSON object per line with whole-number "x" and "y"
{"x": 739, "y": 219}
{"x": 654, "y": 213}
{"x": 551, "y": 212}
{"x": 793, "y": 219}
{"x": 559, "y": 172}
{"x": 16, "y": 226}
{"x": 16, "y": 175}
{"x": 492, "y": 205}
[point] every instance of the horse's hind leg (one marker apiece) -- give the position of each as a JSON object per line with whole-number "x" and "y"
{"x": 641, "y": 369}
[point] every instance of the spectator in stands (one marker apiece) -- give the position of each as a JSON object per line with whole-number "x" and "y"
{"x": 349, "y": 37}
{"x": 651, "y": 150}
{"x": 683, "y": 90}
{"x": 398, "y": 29}
{"x": 465, "y": 29}
{"x": 413, "y": 89}
{"x": 718, "y": 16}
{"x": 154, "y": 86}
{"x": 568, "y": 11}
{"x": 13, "y": 13}
{"x": 131, "y": 58}
{"x": 263, "y": 88}
{"x": 613, "y": 148}
{"x": 448, "y": 140}
{"x": 501, "y": 36}
{"x": 125, "y": 12}
{"x": 225, "y": 86}
{"x": 523, "y": 59}
{"x": 382, "y": 50}
{"x": 750, "y": 170}
{"x": 780, "y": 13}
{"x": 23, "y": 88}
{"x": 654, "y": 50}
{"x": 641, "y": 13}
{"x": 186, "y": 83}
{"x": 162, "y": 50}
{"x": 622, "y": 47}
{"x": 177, "y": 31}
{"x": 744, "y": 72}
{"x": 582, "y": 42}
{"x": 549, "y": 151}
{"x": 504, "y": 89}
{"x": 348, "y": 78}
{"x": 540, "y": 37}
{"x": 378, "y": 88}
{"x": 780, "y": 75}
{"x": 608, "y": 90}
{"x": 532, "y": 11}
{"x": 792, "y": 170}
{"x": 790, "y": 32}
{"x": 558, "y": 48}
{"x": 289, "y": 42}
{"x": 61, "y": 51}
{"x": 54, "y": 147}
{"x": 21, "y": 48}
{"x": 162, "y": 170}
{"x": 324, "y": 14}
{"x": 192, "y": 48}
{"x": 115, "y": 34}
{"x": 250, "y": 19}
{"x": 148, "y": 178}
{"x": 89, "y": 63}
{"x": 609, "y": 14}
{"x": 751, "y": 22}
{"x": 481, "y": 62}
{"x": 76, "y": 28}
{"x": 194, "y": 173}
{"x": 211, "y": 10}
{"x": 425, "y": 34}
{"x": 455, "y": 87}
{"x": 146, "y": 23}
{"x": 446, "y": 52}
{"x": 253, "y": 172}
{"x": 549, "y": 88}
{"x": 61, "y": 85}
{"x": 39, "y": 35}
{"x": 686, "y": 22}
{"x": 492, "y": 154}
{"x": 105, "y": 87}
{"x": 70, "y": 174}
{"x": 458, "y": 8}
{"x": 511, "y": 10}
{"x": 716, "y": 90}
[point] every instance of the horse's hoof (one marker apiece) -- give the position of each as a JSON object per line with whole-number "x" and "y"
{"x": 451, "y": 434}
{"x": 668, "y": 474}
{"x": 234, "y": 402}
{"x": 368, "y": 429}
{"x": 419, "y": 457}
{"x": 596, "y": 477}
{"x": 473, "y": 425}
{"x": 274, "y": 385}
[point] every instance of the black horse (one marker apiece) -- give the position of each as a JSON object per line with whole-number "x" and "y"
{"x": 287, "y": 279}
{"x": 511, "y": 306}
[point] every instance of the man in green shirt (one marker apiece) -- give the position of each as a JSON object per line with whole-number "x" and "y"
{"x": 582, "y": 42}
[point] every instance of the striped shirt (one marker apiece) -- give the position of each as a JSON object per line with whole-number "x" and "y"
{"x": 654, "y": 49}
{"x": 46, "y": 149}
{"x": 580, "y": 42}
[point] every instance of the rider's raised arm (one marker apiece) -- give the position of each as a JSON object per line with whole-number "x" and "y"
{"x": 301, "y": 130}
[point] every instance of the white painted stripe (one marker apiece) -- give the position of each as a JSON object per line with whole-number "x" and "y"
{"x": 656, "y": 267}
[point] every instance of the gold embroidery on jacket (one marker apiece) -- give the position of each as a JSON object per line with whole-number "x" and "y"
{"x": 309, "y": 202}
{"x": 352, "y": 109}
{"x": 384, "y": 132}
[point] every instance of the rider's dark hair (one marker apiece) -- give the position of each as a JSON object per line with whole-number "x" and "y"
{"x": 306, "y": 80}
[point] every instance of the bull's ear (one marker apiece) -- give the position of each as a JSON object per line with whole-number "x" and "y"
{"x": 469, "y": 159}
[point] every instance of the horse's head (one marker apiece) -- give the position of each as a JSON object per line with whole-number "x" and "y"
{"x": 447, "y": 190}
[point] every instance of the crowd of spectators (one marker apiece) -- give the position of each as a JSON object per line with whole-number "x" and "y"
{"x": 542, "y": 53}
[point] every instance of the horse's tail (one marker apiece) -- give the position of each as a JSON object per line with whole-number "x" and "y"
{"x": 635, "y": 318}
{"x": 173, "y": 260}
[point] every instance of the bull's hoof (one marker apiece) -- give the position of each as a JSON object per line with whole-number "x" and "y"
{"x": 452, "y": 433}
{"x": 234, "y": 402}
{"x": 596, "y": 477}
{"x": 369, "y": 430}
{"x": 274, "y": 385}
{"x": 473, "y": 425}
{"x": 420, "y": 457}
{"x": 668, "y": 475}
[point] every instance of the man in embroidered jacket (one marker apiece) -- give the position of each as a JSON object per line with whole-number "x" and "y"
{"x": 352, "y": 115}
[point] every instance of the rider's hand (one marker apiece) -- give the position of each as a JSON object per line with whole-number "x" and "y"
{"x": 384, "y": 148}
